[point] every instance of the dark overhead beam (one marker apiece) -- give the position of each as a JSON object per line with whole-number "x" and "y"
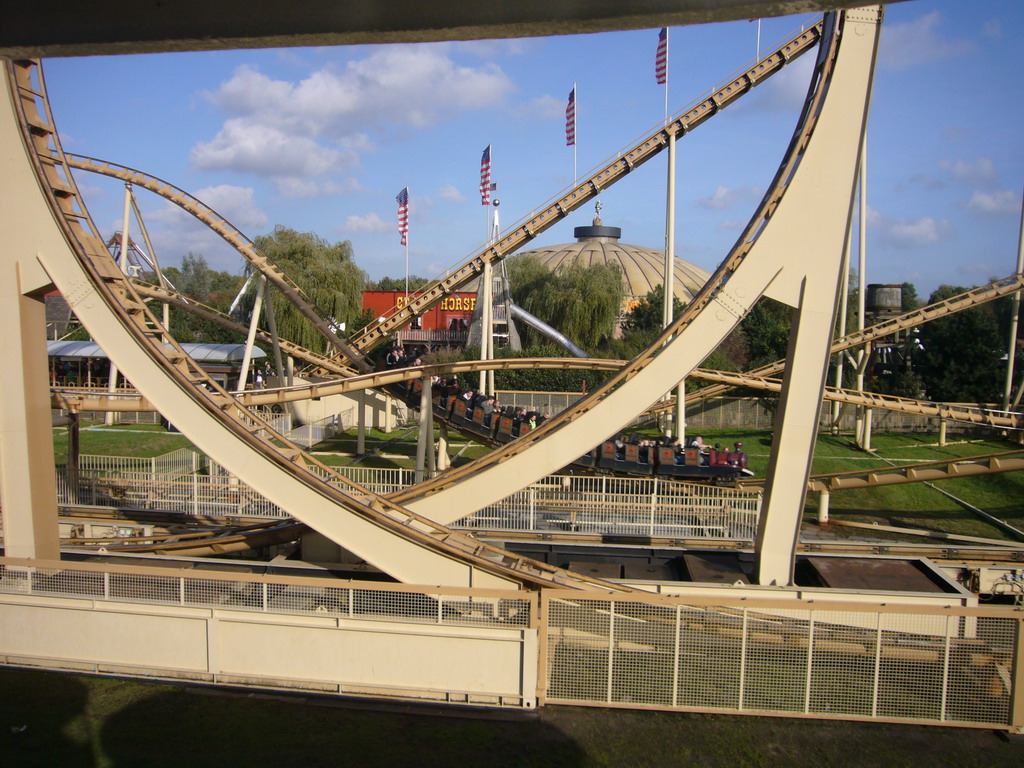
{"x": 46, "y": 28}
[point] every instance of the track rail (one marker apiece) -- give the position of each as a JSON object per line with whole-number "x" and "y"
{"x": 188, "y": 304}
{"x": 724, "y": 380}
{"x": 234, "y": 237}
{"x": 972, "y": 298}
{"x": 399, "y": 541}
{"x": 970, "y": 414}
{"x": 83, "y": 400}
{"x": 557, "y": 209}
{"x": 728, "y": 295}
{"x": 354, "y": 350}
{"x": 943, "y": 469}
{"x": 727, "y": 298}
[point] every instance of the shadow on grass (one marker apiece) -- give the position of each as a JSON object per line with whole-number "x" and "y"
{"x": 88, "y": 721}
{"x": 43, "y": 720}
{"x": 210, "y": 728}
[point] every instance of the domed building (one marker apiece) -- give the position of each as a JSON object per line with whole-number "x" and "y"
{"x": 642, "y": 268}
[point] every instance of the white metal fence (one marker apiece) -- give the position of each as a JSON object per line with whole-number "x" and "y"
{"x": 750, "y": 413}
{"x": 283, "y": 594}
{"x": 625, "y": 506}
{"x": 909, "y": 663}
{"x": 309, "y": 435}
{"x": 589, "y": 504}
{"x": 219, "y": 494}
{"x": 180, "y": 462}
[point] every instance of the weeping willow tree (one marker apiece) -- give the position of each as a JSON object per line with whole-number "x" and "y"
{"x": 581, "y": 302}
{"x": 327, "y": 275}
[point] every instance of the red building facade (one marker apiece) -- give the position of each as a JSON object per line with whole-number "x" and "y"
{"x": 447, "y": 322}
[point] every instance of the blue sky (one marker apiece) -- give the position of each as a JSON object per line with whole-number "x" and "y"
{"x": 322, "y": 139}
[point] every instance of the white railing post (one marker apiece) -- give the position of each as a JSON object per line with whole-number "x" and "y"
{"x": 532, "y": 509}
{"x": 675, "y": 658}
{"x": 810, "y": 663}
{"x": 878, "y": 664}
{"x": 743, "y": 662}
{"x": 611, "y": 648}
{"x": 945, "y": 671}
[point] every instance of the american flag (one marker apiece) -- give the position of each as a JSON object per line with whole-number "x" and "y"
{"x": 403, "y": 214}
{"x": 661, "y": 60}
{"x": 570, "y": 119}
{"x": 485, "y": 177}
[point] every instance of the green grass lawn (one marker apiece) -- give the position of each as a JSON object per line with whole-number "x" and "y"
{"x": 913, "y": 505}
{"x": 144, "y": 440}
{"x": 51, "y": 719}
{"x": 390, "y": 450}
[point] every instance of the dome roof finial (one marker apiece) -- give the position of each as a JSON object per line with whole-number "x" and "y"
{"x": 597, "y": 210}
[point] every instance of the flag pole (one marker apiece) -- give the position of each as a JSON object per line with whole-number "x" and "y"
{"x": 403, "y": 230}
{"x": 406, "y": 238}
{"x": 574, "y": 122}
{"x": 666, "y": 75}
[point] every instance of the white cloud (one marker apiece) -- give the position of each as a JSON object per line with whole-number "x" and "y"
{"x": 451, "y": 194}
{"x": 729, "y": 197}
{"x": 235, "y": 204}
{"x": 731, "y": 225}
{"x": 918, "y": 42}
{"x": 999, "y": 203}
{"x": 250, "y": 146}
{"x": 905, "y": 234}
{"x": 371, "y": 222}
{"x": 783, "y": 92}
{"x": 294, "y": 186}
{"x": 993, "y": 29}
{"x": 294, "y": 131}
{"x": 922, "y": 180}
{"x": 981, "y": 172}
{"x": 544, "y": 107}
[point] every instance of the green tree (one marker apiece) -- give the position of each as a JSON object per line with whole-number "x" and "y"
{"x": 642, "y": 324}
{"x": 961, "y": 359}
{"x": 909, "y": 299}
{"x": 649, "y": 315}
{"x": 195, "y": 279}
{"x": 766, "y": 330}
{"x": 327, "y": 275}
{"x": 581, "y": 302}
{"x": 397, "y": 283}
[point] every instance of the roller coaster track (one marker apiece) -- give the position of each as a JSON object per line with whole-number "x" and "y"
{"x": 190, "y": 305}
{"x": 92, "y": 401}
{"x": 926, "y": 471}
{"x": 728, "y": 295}
{"x": 973, "y": 415}
{"x": 972, "y": 298}
{"x": 559, "y": 208}
{"x": 378, "y": 528}
{"x": 234, "y": 237}
{"x": 400, "y": 542}
{"x": 513, "y": 239}
{"x": 756, "y": 379}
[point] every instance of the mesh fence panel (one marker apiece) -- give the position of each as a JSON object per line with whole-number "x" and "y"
{"x": 886, "y": 665}
{"x": 624, "y": 506}
{"x": 379, "y": 603}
